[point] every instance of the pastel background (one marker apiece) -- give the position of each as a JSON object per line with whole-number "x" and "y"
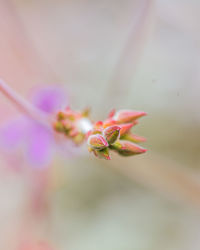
{"x": 135, "y": 54}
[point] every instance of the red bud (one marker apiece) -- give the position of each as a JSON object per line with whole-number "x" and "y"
{"x": 98, "y": 125}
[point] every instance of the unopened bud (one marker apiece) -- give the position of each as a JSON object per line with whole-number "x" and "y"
{"x": 108, "y": 123}
{"x": 98, "y": 125}
{"x": 127, "y": 148}
{"x": 58, "y": 126}
{"x": 61, "y": 115}
{"x": 125, "y": 128}
{"x": 133, "y": 138}
{"x": 112, "y": 113}
{"x": 125, "y": 116}
{"x": 111, "y": 133}
{"x": 97, "y": 142}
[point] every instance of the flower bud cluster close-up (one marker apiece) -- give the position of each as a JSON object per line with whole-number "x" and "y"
{"x": 81, "y": 83}
{"x": 73, "y": 124}
{"x": 115, "y": 134}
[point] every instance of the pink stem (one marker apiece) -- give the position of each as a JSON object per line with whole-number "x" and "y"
{"x": 24, "y": 106}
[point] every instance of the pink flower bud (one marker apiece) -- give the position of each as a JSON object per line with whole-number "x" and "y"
{"x": 111, "y": 134}
{"x": 127, "y": 148}
{"x": 98, "y": 125}
{"x": 133, "y": 138}
{"x": 112, "y": 113}
{"x": 97, "y": 142}
{"x": 125, "y": 128}
{"x": 125, "y": 116}
{"x": 108, "y": 123}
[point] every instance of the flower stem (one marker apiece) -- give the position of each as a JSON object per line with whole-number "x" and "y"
{"x": 23, "y": 105}
{"x": 34, "y": 113}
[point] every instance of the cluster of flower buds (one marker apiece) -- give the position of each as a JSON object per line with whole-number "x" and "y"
{"x": 114, "y": 134}
{"x": 73, "y": 124}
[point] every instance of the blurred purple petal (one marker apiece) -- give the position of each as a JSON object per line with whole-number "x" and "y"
{"x": 50, "y": 99}
{"x": 38, "y": 142}
{"x": 39, "y": 146}
{"x": 13, "y": 133}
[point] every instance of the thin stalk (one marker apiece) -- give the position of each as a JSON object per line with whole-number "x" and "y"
{"x": 24, "y": 106}
{"x": 34, "y": 113}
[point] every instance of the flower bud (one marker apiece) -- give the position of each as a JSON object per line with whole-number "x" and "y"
{"x": 58, "y": 126}
{"x": 112, "y": 113}
{"x": 125, "y": 128}
{"x": 108, "y": 123}
{"x": 125, "y": 116}
{"x": 133, "y": 138}
{"x": 97, "y": 142}
{"x": 68, "y": 125}
{"x": 111, "y": 133}
{"x": 98, "y": 125}
{"x": 61, "y": 115}
{"x": 73, "y": 132}
{"x": 127, "y": 148}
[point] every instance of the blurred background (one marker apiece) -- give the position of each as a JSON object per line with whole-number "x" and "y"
{"x": 133, "y": 54}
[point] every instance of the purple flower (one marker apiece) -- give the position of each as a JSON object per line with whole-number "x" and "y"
{"x": 35, "y": 141}
{"x": 49, "y": 99}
